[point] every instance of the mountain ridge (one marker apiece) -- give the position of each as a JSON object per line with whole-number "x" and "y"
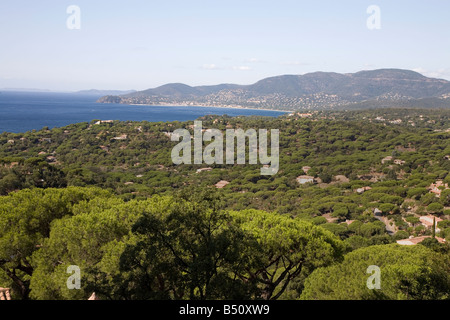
{"x": 312, "y": 91}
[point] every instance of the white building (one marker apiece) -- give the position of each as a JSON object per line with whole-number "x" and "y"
{"x": 427, "y": 221}
{"x": 305, "y": 179}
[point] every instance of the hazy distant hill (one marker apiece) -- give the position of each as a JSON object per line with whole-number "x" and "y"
{"x": 24, "y": 90}
{"x": 318, "y": 90}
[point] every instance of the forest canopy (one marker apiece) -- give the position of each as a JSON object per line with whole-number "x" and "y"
{"x": 106, "y": 197}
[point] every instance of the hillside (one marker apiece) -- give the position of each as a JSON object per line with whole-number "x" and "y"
{"x": 100, "y": 194}
{"x": 312, "y": 91}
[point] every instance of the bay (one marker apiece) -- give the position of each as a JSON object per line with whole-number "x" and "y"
{"x": 25, "y": 111}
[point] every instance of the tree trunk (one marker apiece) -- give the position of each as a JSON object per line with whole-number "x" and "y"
{"x": 23, "y": 286}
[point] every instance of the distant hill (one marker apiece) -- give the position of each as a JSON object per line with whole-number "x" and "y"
{"x": 312, "y": 91}
{"x": 24, "y": 90}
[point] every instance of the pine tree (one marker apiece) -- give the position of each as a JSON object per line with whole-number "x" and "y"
{"x": 433, "y": 230}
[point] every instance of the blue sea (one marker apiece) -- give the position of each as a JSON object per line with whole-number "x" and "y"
{"x": 24, "y": 111}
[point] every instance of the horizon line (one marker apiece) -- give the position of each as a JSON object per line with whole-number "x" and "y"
{"x": 43, "y": 90}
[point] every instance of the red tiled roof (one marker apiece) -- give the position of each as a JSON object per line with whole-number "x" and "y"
{"x": 416, "y": 240}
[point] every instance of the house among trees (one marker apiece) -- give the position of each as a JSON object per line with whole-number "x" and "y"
{"x": 396, "y": 161}
{"x": 104, "y": 121}
{"x": 363, "y": 189}
{"x": 413, "y": 241}
{"x": 427, "y": 221}
{"x": 306, "y": 169}
{"x": 305, "y": 179}
{"x": 436, "y": 188}
{"x": 221, "y": 184}
{"x": 203, "y": 169}
{"x": 51, "y": 158}
{"x": 121, "y": 137}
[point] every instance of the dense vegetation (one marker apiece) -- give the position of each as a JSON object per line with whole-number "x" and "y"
{"x": 407, "y": 272}
{"x": 107, "y": 197}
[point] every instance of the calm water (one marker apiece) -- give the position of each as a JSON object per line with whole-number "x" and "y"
{"x": 24, "y": 111}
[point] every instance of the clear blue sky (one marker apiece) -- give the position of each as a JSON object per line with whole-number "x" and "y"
{"x": 142, "y": 44}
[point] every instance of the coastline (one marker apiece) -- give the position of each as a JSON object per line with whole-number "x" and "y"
{"x": 224, "y": 107}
